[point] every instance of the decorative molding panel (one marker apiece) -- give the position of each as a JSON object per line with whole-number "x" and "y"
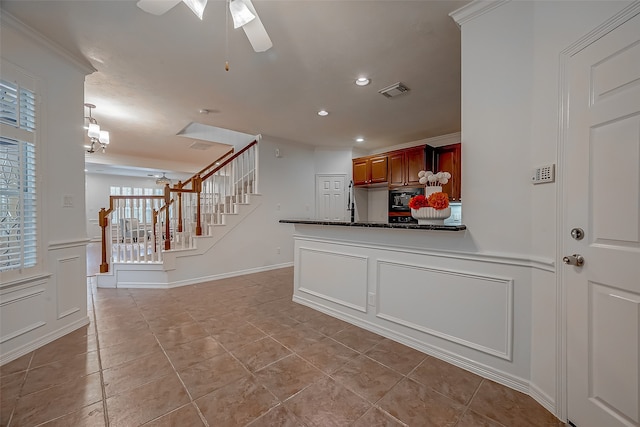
{"x": 66, "y": 244}
{"x": 22, "y": 311}
{"x": 472, "y": 310}
{"x": 68, "y": 271}
{"x": 544, "y": 264}
{"x": 337, "y": 277}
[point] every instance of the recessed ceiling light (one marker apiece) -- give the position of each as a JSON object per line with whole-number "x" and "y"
{"x": 362, "y": 81}
{"x": 359, "y": 139}
{"x": 323, "y": 113}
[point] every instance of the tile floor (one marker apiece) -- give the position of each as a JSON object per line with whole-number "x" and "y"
{"x": 238, "y": 352}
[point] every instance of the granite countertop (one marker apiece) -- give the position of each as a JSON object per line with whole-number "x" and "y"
{"x": 402, "y": 226}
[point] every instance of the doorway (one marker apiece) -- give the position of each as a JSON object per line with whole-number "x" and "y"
{"x": 331, "y": 204}
{"x": 600, "y": 228}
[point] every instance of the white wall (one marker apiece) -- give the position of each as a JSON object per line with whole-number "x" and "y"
{"x": 38, "y": 309}
{"x": 510, "y": 124}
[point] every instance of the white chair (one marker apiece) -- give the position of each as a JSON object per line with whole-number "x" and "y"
{"x": 130, "y": 229}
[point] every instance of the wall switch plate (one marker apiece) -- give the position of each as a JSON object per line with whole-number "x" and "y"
{"x": 372, "y": 299}
{"x": 544, "y": 174}
{"x": 67, "y": 201}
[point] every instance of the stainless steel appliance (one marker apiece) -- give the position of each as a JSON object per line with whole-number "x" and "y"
{"x": 399, "y": 210}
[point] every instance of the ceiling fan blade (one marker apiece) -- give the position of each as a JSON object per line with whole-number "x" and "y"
{"x": 255, "y": 31}
{"x": 157, "y": 7}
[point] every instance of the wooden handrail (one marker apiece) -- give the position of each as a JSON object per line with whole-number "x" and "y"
{"x": 199, "y": 173}
{"x": 229, "y": 160}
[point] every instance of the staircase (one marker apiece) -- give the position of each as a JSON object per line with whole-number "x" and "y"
{"x": 151, "y": 241}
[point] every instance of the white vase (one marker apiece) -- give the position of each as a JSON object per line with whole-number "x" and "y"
{"x": 431, "y": 216}
{"x": 429, "y": 190}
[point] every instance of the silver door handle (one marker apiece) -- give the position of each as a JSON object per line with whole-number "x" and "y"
{"x": 575, "y": 259}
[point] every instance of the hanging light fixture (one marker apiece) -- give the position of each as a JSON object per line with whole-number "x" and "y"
{"x": 95, "y": 134}
{"x": 163, "y": 180}
{"x": 240, "y": 13}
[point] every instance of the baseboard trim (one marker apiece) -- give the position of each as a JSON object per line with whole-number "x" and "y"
{"x": 46, "y": 339}
{"x": 484, "y": 371}
{"x": 198, "y": 280}
{"x": 542, "y": 398}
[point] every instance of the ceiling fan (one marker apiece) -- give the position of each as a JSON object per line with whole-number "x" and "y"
{"x": 242, "y": 11}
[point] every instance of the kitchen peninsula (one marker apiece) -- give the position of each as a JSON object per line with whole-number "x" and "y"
{"x": 406, "y": 226}
{"x": 409, "y": 283}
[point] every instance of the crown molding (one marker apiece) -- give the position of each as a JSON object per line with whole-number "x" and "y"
{"x": 80, "y": 62}
{"x": 474, "y": 9}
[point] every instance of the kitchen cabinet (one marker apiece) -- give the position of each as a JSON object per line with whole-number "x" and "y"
{"x": 370, "y": 170}
{"x": 404, "y": 166}
{"x": 448, "y": 158}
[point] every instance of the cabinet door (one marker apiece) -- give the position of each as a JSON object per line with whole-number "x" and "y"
{"x": 378, "y": 169}
{"x": 415, "y": 162}
{"x": 448, "y": 158}
{"x": 360, "y": 175}
{"x": 397, "y": 170}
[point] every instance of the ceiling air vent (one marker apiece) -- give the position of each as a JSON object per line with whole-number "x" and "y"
{"x": 394, "y": 90}
{"x": 199, "y": 145}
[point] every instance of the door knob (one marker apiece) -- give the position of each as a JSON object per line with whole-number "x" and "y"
{"x": 575, "y": 259}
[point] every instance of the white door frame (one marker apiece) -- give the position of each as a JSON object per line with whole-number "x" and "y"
{"x": 561, "y": 293}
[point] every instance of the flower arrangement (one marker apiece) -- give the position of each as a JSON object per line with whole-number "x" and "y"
{"x": 438, "y": 201}
{"x": 434, "y": 199}
{"x": 430, "y": 179}
{"x": 419, "y": 201}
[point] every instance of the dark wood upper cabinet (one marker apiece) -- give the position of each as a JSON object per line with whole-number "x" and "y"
{"x": 400, "y": 168}
{"x": 370, "y": 170}
{"x": 404, "y": 166}
{"x": 449, "y": 158}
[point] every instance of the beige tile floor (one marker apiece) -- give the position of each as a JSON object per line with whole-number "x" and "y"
{"x": 238, "y": 352}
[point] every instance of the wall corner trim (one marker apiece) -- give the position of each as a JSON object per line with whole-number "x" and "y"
{"x": 474, "y": 9}
{"x": 79, "y": 62}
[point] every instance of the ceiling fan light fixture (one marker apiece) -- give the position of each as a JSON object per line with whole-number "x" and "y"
{"x": 196, "y": 6}
{"x": 240, "y": 13}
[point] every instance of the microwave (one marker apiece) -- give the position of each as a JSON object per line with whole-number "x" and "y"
{"x": 399, "y": 210}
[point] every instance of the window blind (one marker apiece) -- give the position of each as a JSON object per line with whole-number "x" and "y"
{"x": 18, "y": 198}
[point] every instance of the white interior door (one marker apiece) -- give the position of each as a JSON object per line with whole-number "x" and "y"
{"x": 602, "y": 197}
{"x": 331, "y": 200}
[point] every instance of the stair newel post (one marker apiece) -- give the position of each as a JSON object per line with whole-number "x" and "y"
{"x": 197, "y": 186}
{"x": 103, "y": 221}
{"x": 167, "y": 229}
{"x": 179, "y": 186}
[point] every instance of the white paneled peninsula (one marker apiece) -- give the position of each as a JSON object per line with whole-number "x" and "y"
{"x": 414, "y": 285}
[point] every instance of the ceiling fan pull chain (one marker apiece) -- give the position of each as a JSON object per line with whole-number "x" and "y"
{"x": 226, "y": 36}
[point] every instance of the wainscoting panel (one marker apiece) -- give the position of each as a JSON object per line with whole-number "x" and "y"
{"x": 22, "y": 310}
{"x": 69, "y": 292}
{"x": 337, "y": 277}
{"x": 469, "y": 309}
